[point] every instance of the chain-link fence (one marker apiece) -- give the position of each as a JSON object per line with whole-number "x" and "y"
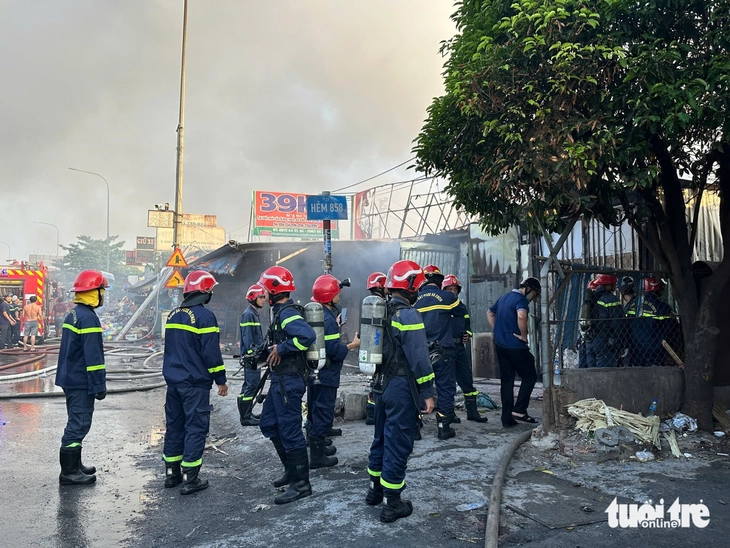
{"x": 604, "y": 320}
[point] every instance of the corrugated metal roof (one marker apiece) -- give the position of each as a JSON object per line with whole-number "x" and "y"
{"x": 223, "y": 260}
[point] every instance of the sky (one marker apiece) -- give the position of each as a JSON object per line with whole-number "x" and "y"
{"x": 281, "y": 95}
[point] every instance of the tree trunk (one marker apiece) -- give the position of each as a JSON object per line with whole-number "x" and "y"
{"x": 700, "y": 336}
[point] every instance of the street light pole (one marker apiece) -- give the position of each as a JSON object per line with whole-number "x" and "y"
{"x": 107, "y": 209}
{"x": 180, "y": 137}
{"x": 58, "y": 234}
{"x": 8, "y": 249}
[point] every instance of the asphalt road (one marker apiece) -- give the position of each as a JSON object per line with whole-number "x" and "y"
{"x": 128, "y": 506}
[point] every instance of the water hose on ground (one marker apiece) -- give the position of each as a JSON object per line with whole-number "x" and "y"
{"x": 61, "y": 394}
{"x": 491, "y": 532}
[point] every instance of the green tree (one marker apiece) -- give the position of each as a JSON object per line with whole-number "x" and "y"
{"x": 613, "y": 109}
{"x": 88, "y": 253}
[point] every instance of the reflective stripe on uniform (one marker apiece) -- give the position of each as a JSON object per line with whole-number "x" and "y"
{"x": 650, "y": 315}
{"x": 196, "y": 330}
{"x": 427, "y": 378}
{"x": 475, "y": 393}
{"x": 192, "y": 464}
{"x": 411, "y": 327}
{"x": 616, "y": 303}
{"x": 332, "y": 337}
{"x": 74, "y": 444}
{"x": 298, "y": 344}
{"x": 290, "y": 318}
{"x": 392, "y": 486}
{"x": 373, "y": 473}
{"x": 439, "y": 306}
{"x": 249, "y": 324}
{"x": 82, "y": 331}
{"x": 176, "y": 458}
{"x": 217, "y": 368}
{"x": 95, "y": 367}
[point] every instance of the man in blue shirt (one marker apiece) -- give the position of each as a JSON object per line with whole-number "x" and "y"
{"x": 508, "y": 318}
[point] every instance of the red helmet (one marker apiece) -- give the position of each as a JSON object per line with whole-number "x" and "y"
{"x": 88, "y": 280}
{"x": 277, "y": 279}
{"x": 254, "y": 292}
{"x": 605, "y": 279}
{"x": 431, "y": 269}
{"x": 199, "y": 280}
{"x": 592, "y": 285}
{"x": 451, "y": 280}
{"x": 376, "y": 280}
{"x": 652, "y": 285}
{"x": 325, "y": 288}
{"x": 405, "y": 275}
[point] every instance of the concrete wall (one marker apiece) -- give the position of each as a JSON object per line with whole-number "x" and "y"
{"x": 634, "y": 388}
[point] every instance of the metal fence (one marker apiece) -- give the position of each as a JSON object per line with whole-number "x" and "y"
{"x": 625, "y": 327}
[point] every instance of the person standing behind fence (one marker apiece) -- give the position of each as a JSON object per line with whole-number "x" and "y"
{"x": 657, "y": 323}
{"x": 601, "y": 349}
{"x": 508, "y": 318}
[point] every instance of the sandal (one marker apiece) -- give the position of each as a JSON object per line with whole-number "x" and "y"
{"x": 524, "y": 418}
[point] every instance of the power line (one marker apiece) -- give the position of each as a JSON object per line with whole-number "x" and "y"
{"x": 374, "y": 176}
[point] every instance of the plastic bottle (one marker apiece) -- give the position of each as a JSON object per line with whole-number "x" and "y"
{"x": 556, "y": 373}
{"x": 652, "y": 408}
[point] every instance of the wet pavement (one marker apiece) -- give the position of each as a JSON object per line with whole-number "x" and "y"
{"x": 128, "y": 506}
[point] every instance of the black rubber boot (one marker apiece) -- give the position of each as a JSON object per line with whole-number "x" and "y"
{"x": 327, "y": 442}
{"x": 286, "y": 478}
{"x": 375, "y": 492}
{"x": 370, "y": 413}
{"x": 470, "y": 402}
{"x": 173, "y": 474}
{"x": 330, "y": 449}
{"x": 418, "y": 431}
{"x": 88, "y": 470}
{"x": 71, "y": 474}
{"x": 334, "y": 432}
{"x": 191, "y": 482}
{"x": 394, "y": 508}
{"x": 318, "y": 459}
{"x": 299, "y": 487}
{"x": 445, "y": 432}
{"x": 244, "y": 411}
{"x": 455, "y": 419}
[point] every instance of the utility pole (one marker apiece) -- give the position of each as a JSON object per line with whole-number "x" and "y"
{"x": 176, "y": 232}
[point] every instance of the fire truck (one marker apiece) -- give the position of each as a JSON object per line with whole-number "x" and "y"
{"x": 26, "y": 280}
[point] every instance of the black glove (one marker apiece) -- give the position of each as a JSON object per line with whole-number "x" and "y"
{"x": 100, "y": 395}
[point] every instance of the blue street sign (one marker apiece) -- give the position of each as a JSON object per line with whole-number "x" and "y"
{"x": 326, "y": 208}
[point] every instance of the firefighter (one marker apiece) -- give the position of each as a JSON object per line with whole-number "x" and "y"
{"x": 191, "y": 363}
{"x": 626, "y": 335}
{"x": 404, "y": 377}
{"x": 461, "y": 332}
{"x": 376, "y": 286}
{"x": 437, "y": 307}
{"x": 81, "y": 373}
{"x": 252, "y": 343}
{"x": 16, "y": 307}
{"x": 326, "y": 291}
{"x": 602, "y": 342}
{"x": 584, "y": 325}
{"x": 657, "y": 323}
{"x": 281, "y": 418}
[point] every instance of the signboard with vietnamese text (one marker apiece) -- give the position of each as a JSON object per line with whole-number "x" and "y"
{"x": 146, "y": 242}
{"x": 326, "y": 208}
{"x": 284, "y": 215}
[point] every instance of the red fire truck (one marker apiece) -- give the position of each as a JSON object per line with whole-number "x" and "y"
{"x": 26, "y": 280}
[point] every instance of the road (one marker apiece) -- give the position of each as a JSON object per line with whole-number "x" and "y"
{"x": 128, "y": 506}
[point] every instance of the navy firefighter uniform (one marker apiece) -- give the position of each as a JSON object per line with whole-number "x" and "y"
{"x": 81, "y": 373}
{"x": 252, "y": 340}
{"x": 406, "y": 376}
{"x": 192, "y": 363}
{"x": 324, "y": 392}
{"x": 437, "y": 307}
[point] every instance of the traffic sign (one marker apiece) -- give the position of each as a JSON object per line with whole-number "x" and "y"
{"x": 176, "y": 280}
{"x": 326, "y": 208}
{"x": 177, "y": 260}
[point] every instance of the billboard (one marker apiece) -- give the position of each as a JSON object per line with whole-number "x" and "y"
{"x": 284, "y": 215}
{"x": 362, "y": 206}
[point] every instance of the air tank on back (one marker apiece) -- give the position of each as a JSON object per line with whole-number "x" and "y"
{"x": 316, "y": 353}
{"x": 372, "y": 332}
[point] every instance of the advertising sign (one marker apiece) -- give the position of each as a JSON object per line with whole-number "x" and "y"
{"x": 284, "y": 215}
{"x": 146, "y": 242}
